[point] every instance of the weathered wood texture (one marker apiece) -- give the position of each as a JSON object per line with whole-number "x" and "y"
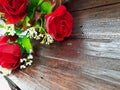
{"x": 88, "y": 60}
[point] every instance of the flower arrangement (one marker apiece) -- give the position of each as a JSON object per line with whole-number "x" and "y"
{"x": 23, "y": 20}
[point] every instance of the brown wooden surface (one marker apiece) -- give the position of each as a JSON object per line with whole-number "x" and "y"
{"x": 88, "y": 60}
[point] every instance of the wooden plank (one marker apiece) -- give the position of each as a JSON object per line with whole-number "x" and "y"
{"x": 98, "y": 23}
{"x": 91, "y": 78}
{"x": 89, "y": 4}
{"x": 109, "y": 49}
{"x": 93, "y": 66}
{"x": 63, "y": 72}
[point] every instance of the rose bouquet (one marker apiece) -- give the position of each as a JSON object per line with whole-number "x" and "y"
{"x": 23, "y": 20}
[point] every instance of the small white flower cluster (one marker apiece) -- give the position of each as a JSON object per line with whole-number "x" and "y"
{"x": 7, "y": 28}
{"x": 26, "y": 61}
{"x": 2, "y": 29}
{"x": 10, "y": 29}
{"x": 5, "y": 71}
{"x": 49, "y": 39}
{"x": 33, "y": 33}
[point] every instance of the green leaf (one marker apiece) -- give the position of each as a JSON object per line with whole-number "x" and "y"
{"x": 35, "y": 3}
{"x": 25, "y": 43}
{"x": 40, "y": 1}
{"x": 22, "y": 51}
{"x": 24, "y": 23}
{"x": 1, "y": 26}
{"x": 32, "y": 6}
{"x": 46, "y": 8}
{"x": 27, "y": 19}
{"x": 31, "y": 12}
{"x": 18, "y": 31}
{"x": 40, "y": 25}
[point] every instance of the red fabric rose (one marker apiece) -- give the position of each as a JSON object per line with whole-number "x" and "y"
{"x": 14, "y": 10}
{"x": 10, "y": 54}
{"x": 59, "y": 23}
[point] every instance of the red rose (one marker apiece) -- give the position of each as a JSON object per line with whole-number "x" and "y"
{"x": 14, "y": 10}
{"x": 59, "y": 23}
{"x": 10, "y": 54}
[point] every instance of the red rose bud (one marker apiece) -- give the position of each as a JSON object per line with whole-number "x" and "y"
{"x": 10, "y": 54}
{"x": 59, "y": 23}
{"x": 14, "y": 10}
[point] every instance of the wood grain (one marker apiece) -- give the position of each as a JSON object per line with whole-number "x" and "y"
{"x": 79, "y": 5}
{"x": 88, "y": 60}
{"x": 98, "y": 23}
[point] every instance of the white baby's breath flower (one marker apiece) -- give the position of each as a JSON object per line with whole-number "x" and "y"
{"x": 49, "y": 39}
{"x": 24, "y": 59}
{"x": 37, "y": 37}
{"x": 10, "y": 29}
{"x": 32, "y": 32}
{"x": 40, "y": 35}
{"x": 5, "y": 71}
{"x": 30, "y": 56}
{"x": 21, "y": 60}
{"x": 29, "y": 63}
{"x": 22, "y": 66}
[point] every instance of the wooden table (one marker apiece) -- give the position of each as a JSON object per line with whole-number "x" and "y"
{"x": 88, "y": 60}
